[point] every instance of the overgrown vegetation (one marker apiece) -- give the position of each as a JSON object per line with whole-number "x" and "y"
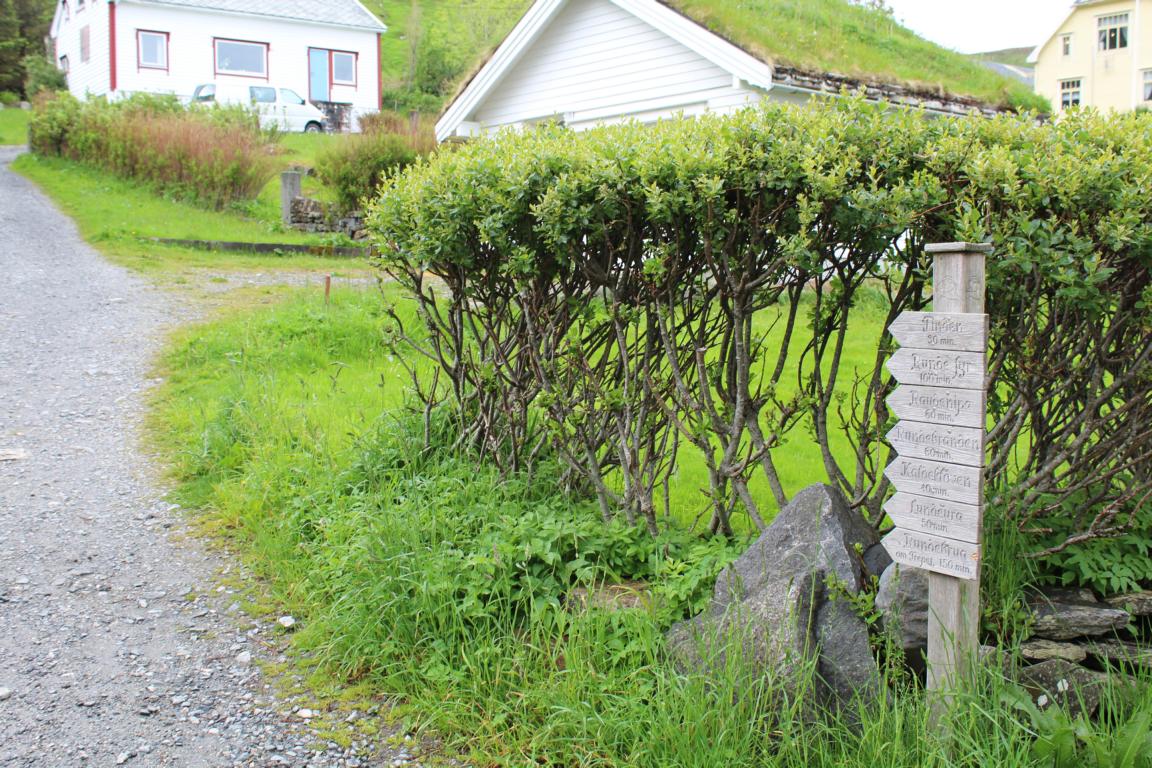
{"x": 214, "y": 157}
{"x": 429, "y": 575}
{"x": 353, "y": 169}
{"x": 594, "y": 297}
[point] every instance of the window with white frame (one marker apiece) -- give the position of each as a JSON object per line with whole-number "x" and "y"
{"x": 1066, "y": 45}
{"x": 1069, "y": 94}
{"x": 151, "y": 49}
{"x": 343, "y": 68}
{"x": 85, "y": 44}
{"x": 241, "y": 57}
{"x": 1148, "y": 85}
{"x": 1112, "y": 31}
{"x": 64, "y": 64}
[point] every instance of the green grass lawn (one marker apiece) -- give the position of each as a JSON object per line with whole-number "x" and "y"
{"x": 14, "y": 126}
{"x": 119, "y": 216}
{"x": 425, "y": 575}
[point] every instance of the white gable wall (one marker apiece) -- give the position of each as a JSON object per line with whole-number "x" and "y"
{"x": 90, "y": 76}
{"x": 596, "y": 63}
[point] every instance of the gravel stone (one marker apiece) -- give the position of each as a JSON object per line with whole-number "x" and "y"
{"x": 108, "y": 668}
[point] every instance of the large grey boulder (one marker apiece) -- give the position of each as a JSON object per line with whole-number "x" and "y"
{"x": 785, "y": 601}
{"x": 902, "y": 600}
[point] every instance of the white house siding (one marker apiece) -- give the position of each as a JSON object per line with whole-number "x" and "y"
{"x": 191, "y": 57}
{"x": 90, "y": 77}
{"x": 596, "y": 64}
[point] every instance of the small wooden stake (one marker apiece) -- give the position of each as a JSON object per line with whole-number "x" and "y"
{"x": 327, "y": 288}
{"x": 954, "y": 604}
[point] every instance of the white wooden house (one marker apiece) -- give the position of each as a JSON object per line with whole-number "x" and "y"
{"x": 327, "y": 51}
{"x": 594, "y": 62}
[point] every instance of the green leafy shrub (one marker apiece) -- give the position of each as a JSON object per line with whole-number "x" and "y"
{"x": 213, "y": 157}
{"x": 41, "y": 75}
{"x": 9, "y": 98}
{"x": 578, "y": 275}
{"x": 354, "y": 167}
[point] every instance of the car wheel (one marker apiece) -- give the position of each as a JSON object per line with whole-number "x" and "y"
{"x": 313, "y": 128}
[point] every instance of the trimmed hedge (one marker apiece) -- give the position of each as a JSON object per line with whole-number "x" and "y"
{"x": 578, "y": 275}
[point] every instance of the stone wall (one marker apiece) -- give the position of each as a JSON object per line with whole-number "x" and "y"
{"x": 314, "y": 216}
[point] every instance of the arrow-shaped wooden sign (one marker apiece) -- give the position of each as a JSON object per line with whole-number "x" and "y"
{"x": 931, "y": 368}
{"x": 936, "y": 480}
{"x": 937, "y": 442}
{"x": 934, "y": 553}
{"x": 941, "y": 331}
{"x": 949, "y": 519}
{"x": 955, "y": 407}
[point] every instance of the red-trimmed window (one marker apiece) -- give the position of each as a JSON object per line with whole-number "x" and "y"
{"x": 85, "y": 44}
{"x": 342, "y": 65}
{"x": 151, "y": 49}
{"x": 243, "y": 58}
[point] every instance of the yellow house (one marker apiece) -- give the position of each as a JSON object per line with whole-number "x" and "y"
{"x": 1100, "y": 56}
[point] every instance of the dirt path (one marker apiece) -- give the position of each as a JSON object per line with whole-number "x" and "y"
{"x": 116, "y": 647}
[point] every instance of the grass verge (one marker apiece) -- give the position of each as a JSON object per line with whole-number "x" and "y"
{"x": 118, "y": 217}
{"x": 14, "y": 126}
{"x": 424, "y": 574}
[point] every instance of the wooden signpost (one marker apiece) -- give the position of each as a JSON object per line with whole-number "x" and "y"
{"x": 938, "y": 472}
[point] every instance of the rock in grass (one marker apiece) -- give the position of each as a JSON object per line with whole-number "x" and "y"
{"x": 1058, "y": 615}
{"x": 1043, "y": 650}
{"x": 1061, "y": 683}
{"x": 1136, "y": 603}
{"x": 287, "y": 622}
{"x": 902, "y": 600}
{"x": 784, "y": 604}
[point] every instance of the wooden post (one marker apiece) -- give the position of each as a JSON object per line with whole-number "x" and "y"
{"x": 289, "y": 191}
{"x": 954, "y": 604}
{"x": 938, "y": 472}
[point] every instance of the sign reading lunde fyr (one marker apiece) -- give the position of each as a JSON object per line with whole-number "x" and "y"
{"x": 939, "y": 441}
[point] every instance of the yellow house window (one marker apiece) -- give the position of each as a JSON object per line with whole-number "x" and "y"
{"x": 1113, "y": 31}
{"x": 1069, "y": 94}
{"x": 1148, "y": 85}
{"x": 1066, "y": 45}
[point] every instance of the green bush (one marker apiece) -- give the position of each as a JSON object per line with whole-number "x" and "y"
{"x": 354, "y": 167}
{"x": 213, "y": 157}
{"x": 578, "y": 275}
{"x": 41, "y": 75}
{"x": 9, "y": 98}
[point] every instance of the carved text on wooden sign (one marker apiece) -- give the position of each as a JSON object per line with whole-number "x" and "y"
{"x": 937, "y": 442}
{"x": 949, "y": 519}
{"x": 956, "y": 407}
{"x": 960, "y": 559}
{"x": 931, "y": 368}
{"x": 941, "y": 331}
{"x": 934, "y": 479}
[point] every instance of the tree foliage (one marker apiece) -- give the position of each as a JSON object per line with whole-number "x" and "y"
{"x": 23, "y": 27}
{"x": 603, "y": 295}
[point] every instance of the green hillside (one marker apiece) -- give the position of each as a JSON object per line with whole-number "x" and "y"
{"x": 1017, "y": 57}
{"x": 432, "y": 44}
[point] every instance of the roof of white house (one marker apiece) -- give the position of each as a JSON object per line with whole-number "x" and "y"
{"x": 343, "y": 13}
{"x": 744, "y": 65}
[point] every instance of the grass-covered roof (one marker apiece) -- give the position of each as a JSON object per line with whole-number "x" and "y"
{"x": 861, "y": 43}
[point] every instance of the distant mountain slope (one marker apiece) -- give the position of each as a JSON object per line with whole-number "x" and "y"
{"x": 432, "y": 44}
{"x": 1016, "y": 57}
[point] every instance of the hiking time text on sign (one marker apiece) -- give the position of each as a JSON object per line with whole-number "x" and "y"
{"x": 939, "y": 440}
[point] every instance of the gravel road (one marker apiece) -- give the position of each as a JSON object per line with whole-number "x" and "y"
{"x": 117, "y": 646}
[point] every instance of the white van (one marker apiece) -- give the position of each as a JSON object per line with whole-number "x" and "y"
{"x": 282, "y": 108}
